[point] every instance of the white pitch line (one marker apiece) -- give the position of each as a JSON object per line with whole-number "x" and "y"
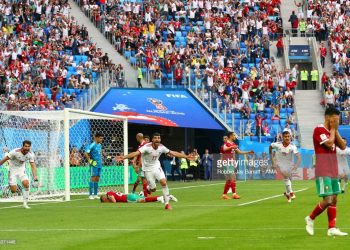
{"x": 268, "y": 198}
{"x": 195, "y": 186}
{"x": 147, "y": 229}
{"x": 41, "y": 203}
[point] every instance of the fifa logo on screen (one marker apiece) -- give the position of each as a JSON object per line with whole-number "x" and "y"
{"x": 157, "y": 103}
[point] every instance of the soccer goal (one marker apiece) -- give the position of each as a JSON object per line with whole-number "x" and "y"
{"x": 59, "y": 140}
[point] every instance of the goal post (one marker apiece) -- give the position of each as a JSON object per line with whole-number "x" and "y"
{"x": 59, "y": 140}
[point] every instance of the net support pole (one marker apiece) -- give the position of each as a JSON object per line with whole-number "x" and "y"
{"x": 66, "y": 154}
{"x": 126, "y": 162}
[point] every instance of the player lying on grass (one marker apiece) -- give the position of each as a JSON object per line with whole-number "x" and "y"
{"x": 114, "y": 197}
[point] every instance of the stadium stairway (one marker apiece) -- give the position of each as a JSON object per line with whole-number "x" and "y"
{"x": 107, "y": 47}
{"x": 309, "y": 113}
{"x": 286, "y": 10}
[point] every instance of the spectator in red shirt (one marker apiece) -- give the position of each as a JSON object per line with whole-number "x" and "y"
{"x": 323, "y": 54}
{"x": 279, "y": 46}
{"x": 258, "y": 123}
{"x": 178, "y": 74}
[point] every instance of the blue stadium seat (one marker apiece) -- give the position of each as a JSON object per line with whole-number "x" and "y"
{"x": 127, "y": 54}
{"x": 254, "y": 138}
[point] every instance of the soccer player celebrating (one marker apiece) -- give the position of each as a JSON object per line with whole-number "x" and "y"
{"x": 114, "y": 197}
{"x": 17, "y": 170}
{"x": 343, "y": 165}
{"x": 326, "y": 138}
{"x": 142, "y": 140}
{"x": 151, "y": 167}
{"x": 229, "y": 150}
{"x": 285, "y": 151}
{"x": 93, "y": 154}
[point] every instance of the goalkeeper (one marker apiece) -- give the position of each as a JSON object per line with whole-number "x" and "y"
{"x": 93, "y": 154}
{"x": 114, "y": 197}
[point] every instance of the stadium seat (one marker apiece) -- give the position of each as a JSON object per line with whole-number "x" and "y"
{"x": 254, "y": 138}
{"x": 127, "y": 54}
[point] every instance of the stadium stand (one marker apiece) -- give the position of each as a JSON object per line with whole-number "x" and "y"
{"x": 216, "y": 47}
{"x": 47, "y": 61}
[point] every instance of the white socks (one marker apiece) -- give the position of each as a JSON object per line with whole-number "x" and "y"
{"x": 25, "y": 195}
{"x": 166, "y": 194}
{"x": 288, "y": 184}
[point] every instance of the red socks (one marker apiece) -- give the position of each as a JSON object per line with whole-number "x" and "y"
{"x": 135, "y": 186}
{"x": 145, "y": 190}
{"x": 332, "y": 214}
{"x": 233, "y": 186}
{"x": 317, "y": 211}
{"x": 151, "y": 199}
{"x": 227, "y": 186}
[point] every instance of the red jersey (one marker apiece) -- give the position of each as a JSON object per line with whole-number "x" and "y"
{"x": 229, "y": 153}
{"x": 138, "y": 159}
{"x": 326, "y": 158}
{"x": 119, "y": 197}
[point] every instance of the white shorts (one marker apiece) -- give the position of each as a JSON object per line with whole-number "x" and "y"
{"x": 343, "y": 170}
{"x": 152, "y": 176}
{"x": 285, "y": 169}
{"x": 15, "y": 174}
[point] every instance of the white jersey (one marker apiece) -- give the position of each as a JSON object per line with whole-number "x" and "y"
{"x": 284, "y": 155}
{"x": 342, "y": 157}
{"x": 150, "y": 156}
{"x": 18, "y": 160}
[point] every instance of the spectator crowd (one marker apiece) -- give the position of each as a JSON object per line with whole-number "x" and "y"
{"x": 46, "y": 59}
{"x": 221, "y": 47}
{"x": 330, "y": 22}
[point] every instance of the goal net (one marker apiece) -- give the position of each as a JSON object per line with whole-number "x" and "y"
{"x": 59, "y": 140}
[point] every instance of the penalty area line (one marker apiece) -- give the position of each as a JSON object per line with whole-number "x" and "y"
{"x": 195, "y": 186}
{"x": 42, "y": 203}
{"x": 268, "y": 198}
{"x": 153, "y": 229}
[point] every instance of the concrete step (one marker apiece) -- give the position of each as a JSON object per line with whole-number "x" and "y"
{"x": 309, "y": 113}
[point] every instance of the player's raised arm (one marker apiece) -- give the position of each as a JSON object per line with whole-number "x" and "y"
{"x": 128, "y": 156}
{"x": 271, "y": 155}
{"x": 180, "y": 155}
{"x": 237, "y": 151}
{"x": 339, "y": 142}
{"x": 5, "y": 159}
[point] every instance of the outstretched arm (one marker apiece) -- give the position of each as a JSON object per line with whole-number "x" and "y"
{"x": 251, "y": 152}
{"x": 180, "y": 155}
{"x": 6, "y": 158}
{"x": 128, "y": 156}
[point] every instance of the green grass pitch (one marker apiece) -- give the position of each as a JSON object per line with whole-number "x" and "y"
{"x": 200, "y": 220}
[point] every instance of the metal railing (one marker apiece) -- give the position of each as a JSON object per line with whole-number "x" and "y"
{"x": 291, "y": 32}
{"x": 88, "y": 99}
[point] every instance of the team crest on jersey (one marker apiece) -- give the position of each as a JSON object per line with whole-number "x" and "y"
{"x": 158, "y": 103}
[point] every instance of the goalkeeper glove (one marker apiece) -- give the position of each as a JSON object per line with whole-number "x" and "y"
{"x": 92, "y": 163}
